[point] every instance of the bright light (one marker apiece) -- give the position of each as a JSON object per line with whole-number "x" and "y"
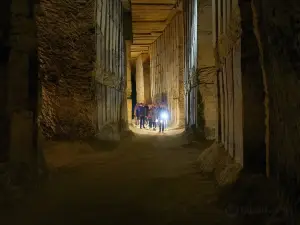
{"x": 156, "y": 120}
{"x": 164, "y": 116}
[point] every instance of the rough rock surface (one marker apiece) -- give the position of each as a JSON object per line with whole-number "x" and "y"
{"x": 277, "y": 27}
{"x": 217, "y": 161}
{"x": 66, "y": 37}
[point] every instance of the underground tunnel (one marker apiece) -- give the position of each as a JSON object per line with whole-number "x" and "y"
{"x": 78, "y": 147}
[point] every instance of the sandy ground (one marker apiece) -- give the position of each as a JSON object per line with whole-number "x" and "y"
{"x": 150, "y": 180}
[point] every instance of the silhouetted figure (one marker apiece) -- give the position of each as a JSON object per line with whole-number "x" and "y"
{"x": 154, "y": 117}
{"x": 146, "y": 114}
{"x": 142, "y": 116}
{"x": 162, "y": 117}
{"x": 137, "y": 114}
{"x": 150, "y": 112}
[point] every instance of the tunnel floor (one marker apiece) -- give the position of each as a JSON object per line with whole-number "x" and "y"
{"x": 147, "y": 180}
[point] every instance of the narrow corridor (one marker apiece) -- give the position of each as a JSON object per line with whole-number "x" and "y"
{"x": 149, "y": 180}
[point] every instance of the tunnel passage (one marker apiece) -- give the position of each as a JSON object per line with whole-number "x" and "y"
{"x": 248, "y": 98}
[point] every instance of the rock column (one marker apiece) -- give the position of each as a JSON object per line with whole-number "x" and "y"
{"x": 129, "y": 86}
{"x": 22, "y": 85}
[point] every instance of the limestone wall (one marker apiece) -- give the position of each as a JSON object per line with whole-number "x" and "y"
{"x": 140, "y": 89}
{"x": 206, "y": 64}
{"x": 66, "y": 35}
{"x": 111, "y": 69}
{"x": 190, "y": 15}
{"x": 166, "y": 69}
{"x": 277, "y": 30}
{"x": 240, "y": 85}
{"x": 19, "y": 88}
{"x": 83, "y": 85}
{"x": 129, "y": 85}
{"x": 147, "y": 83}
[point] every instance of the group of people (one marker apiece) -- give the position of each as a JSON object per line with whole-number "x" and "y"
{"x": 153, "y": 116}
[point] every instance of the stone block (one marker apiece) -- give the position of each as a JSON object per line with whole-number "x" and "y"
{"x": 109, "y": 132}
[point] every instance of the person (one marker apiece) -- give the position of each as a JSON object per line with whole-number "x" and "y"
{"x": 137, "y": 113}
{"x": 154, "y": 117}
{"x": 146, "y": 106}
{"x": 142, "y": 116}
{"x": 150, "y": 112}
{"x": 162, "y": 117}
{"x": 167, "y": 116}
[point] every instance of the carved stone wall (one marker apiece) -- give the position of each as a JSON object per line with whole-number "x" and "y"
{"x": 110, "y": 73}
{"x": 190, "y": 16}
{"x": 207, "y": 77}
{"x": 19, "y": 89}
{"x": 166, "y": 69}
{"x": 277, "y": 31}
{"x": 140, "y": 88}
{"x": 240, "y": 83}
{"x": 147, "y": 83}
{"x": 66, "y": 39}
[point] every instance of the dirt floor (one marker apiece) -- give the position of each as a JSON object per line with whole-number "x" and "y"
{"x": 149, "y": 180}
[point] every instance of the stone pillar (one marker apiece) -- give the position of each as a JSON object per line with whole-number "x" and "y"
{"x": 22, "y": 84}
{"x": 129, "y": 86}
{"x": 146, "y": 75}
{"x": 217, "y": 79}
{"x": 140, "y": 92}
{"x": 206, "y": 63}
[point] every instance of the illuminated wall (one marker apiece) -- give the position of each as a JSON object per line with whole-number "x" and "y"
{"x": 110, "y": 73}
{"x": 166, "y": 69}
{"x": 190, "y": 34}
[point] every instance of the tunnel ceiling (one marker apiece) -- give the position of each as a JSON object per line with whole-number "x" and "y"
{"x": 149, "y": 19}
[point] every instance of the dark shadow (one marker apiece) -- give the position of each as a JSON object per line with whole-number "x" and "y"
{"x": 200, "y": 115}
{"x": 253, "y": 95}
{"x": 255, "y": 199}
{"x": 101, "y": 145}
{"x": 204, "y": 144}
{"x": 4, "y": 59}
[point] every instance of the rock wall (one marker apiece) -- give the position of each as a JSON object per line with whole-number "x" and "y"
{"x": 190, "y": 17}
{"x": 129, "y": 85}
{"x": 19, "y": 87}
{"x": 166, "y": 69}
{"x": 253, "y": 95}
{"x": 277, "y": 31}
{"x": 147, "y": 83}
{"x": 240, "y": 85}
{"x": 110, "y": 71}
{"x": 206, "y": 64}
{"x": 140, "y": 89}
{"x": 66, "y": 35}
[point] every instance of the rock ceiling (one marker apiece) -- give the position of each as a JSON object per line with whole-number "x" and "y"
{"x": 149, "y": 19}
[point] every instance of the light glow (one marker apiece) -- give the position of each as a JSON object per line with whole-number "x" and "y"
{"x": 164, "y": 116}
